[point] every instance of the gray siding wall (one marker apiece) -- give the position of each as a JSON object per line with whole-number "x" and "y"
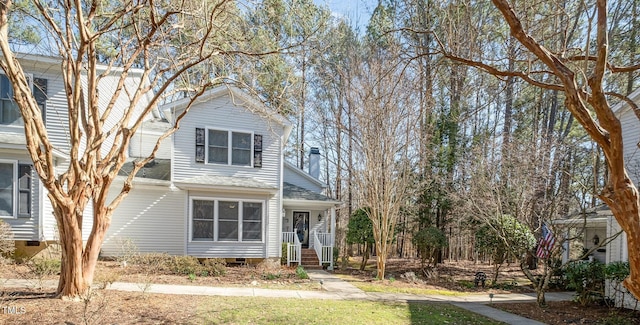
{"x": 631, "y": 137}
{"x": 152, "y": 217}
{"x": 221, "y": 114}
{"x": 294, "y": 177}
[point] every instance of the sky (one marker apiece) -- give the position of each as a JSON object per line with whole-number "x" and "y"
{"x": 357, "y": 11}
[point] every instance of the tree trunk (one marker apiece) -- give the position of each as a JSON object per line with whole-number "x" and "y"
{"x": 365, "y": 256}
{"x": 625, "y": 208}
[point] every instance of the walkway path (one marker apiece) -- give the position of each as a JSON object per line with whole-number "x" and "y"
{"x": 334, "y": 288}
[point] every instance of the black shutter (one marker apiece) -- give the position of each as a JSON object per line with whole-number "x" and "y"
{"x": 200, "y": 134}
{"x": 25, "y": 183}
{"x": 40, "y": 94}
{"x": 257, "y": 150}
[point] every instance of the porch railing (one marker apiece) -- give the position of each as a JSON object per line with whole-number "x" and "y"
{"x": 294, "y": 247}
{"x": 323, "y": 247}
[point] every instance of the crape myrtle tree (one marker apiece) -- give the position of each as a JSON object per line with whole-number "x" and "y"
{"x": 176, "y": 47}
{"x": 573, "y": 57}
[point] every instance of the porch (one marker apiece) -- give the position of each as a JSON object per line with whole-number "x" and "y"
{"x": 318, "y": 254}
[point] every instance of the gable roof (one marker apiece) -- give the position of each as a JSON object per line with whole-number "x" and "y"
{"x": 238, "y": 98}
{"x": 621, "y": 107}
{"x": 294, "y": 192}
{"x": 227, "y": 183}
{"x": 293, "y": 168}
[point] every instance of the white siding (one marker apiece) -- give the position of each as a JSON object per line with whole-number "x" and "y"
{"x": 142, "y": 144}
{"x": 631, "y": 137}
{"x": 294, "y": 177}
{"x": 221, "y": 114}
{"x": 152, "y": 217}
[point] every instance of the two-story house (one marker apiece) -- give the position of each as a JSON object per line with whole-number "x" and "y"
{"x": 218, "y": 188}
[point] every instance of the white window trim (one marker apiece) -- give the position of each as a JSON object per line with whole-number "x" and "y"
{"x": 229, "y": 147}
{"x": 215, "y": 219}
{"x": 15, "y": 188}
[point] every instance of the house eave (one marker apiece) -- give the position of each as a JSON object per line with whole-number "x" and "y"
{"x": 226, "y": 189}
{"x": 320, "y": 205}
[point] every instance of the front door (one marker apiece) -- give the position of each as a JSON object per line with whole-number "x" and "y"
{"x": 301, "y": 226}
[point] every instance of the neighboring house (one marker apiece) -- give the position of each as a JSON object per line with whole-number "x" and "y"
{"x": 218, "y": 188}
{"x": 23, "y": 200}
{"x": 601, "y": 230}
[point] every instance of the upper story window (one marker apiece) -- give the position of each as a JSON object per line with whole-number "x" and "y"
{"x": 9, "y": 111}
{"x": 229, "y": 147}
{"x": 15, "y": 189}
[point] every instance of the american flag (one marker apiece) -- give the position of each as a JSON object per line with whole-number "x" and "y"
{"x": 546, "y": 242}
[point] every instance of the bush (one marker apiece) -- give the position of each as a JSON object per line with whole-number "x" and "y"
{"x": 181, "y": 265}
{"x": 42, "y": 267}
{"x": 301, "y": 273}
{"x": 215, "y": 266}
{"x": 7, "y": 243}
{"x": 587, "y": 279}
{"x": 283, "y": 259}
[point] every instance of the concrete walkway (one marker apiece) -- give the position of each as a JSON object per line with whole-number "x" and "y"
{"x": 333, "y": 288}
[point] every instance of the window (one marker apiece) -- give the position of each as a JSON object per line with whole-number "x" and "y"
{"x": 219, "y": 143}
{"x": 15, "y": 189}
{"x": 226, "y": 220}
{"x": 9, "y": 111}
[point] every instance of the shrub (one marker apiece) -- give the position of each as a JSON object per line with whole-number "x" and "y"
{"x": 7, "y": 244}
{"x": 42, "y": 267}
{"x": 283, "y": 259}
{"x": 429, "y": 241}
{"x": 181, "y": 265}
{"x": 587, "y": 279}
{"x": 301, "y": 273}
{"x": 184, "y": 265}
{"x": 215, "y": 266}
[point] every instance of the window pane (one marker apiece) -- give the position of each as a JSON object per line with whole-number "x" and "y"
{"x": 241, "y": 157}
{"x": 202, "y": 220}
{"x": 5, "y": 88}
{"x": 218, "y": 138}
{"x": 251, "y": 211}
{"x": 218, "y": 147}
{"x": 241, "y": 140}
{"x": 228, "y": 220}
{"x": 203, "y": 230}
{"x": 9, "y": 113}
{"x": 203, "y": 209}
{"x": 251, "y": 221}
{"x": 6, "y": 189}
{"x": 228, "y": 230}
{"x": 251, "y": 231}
{"x": 218, "y": 155}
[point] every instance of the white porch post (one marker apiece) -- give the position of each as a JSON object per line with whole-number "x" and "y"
{"x": 333, "y": 234}
{"x": 565, "y": 246}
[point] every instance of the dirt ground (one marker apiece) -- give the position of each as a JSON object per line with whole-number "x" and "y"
{"x": 128, "y": 308}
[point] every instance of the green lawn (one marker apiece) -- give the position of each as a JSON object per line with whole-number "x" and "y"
{"x": 260, "y": 310}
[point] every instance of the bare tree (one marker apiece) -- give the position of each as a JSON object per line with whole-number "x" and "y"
{"x": 580, "y": 72}
{"x": 384, "y": 118}
{"x": 175, "y": 48}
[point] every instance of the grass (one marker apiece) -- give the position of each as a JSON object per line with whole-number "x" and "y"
{"x": 261, "y": 310}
